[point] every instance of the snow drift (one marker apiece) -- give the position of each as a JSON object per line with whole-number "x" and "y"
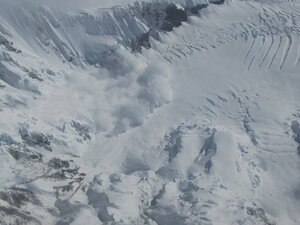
{"x": 150, "y": 112}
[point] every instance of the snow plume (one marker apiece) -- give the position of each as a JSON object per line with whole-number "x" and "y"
{"x": 78, "y": 4}
{"x": 123, "y": 92}
{"x": 136, "y": 89}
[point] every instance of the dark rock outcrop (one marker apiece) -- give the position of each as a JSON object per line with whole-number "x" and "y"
{"x": 196, "y": 9}
{"x": 18, "y": 197}
{"x": 174, "y": 17}
{"x": 57, "y": 163}
{"x": 260, "y": 214}
{"x": 217, "y": 2}
{"x": 7, "y": 44}
{"x": 82, "y": 129}
{"x": 144, "y": 40}
{"x": 296, "y": 129}
{"x": 35, "y": 139}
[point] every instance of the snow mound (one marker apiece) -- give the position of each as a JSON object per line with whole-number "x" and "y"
{"x": 150, "y": 112}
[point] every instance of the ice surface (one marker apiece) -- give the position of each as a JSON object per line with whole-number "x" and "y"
{"x": 108, "y": 117}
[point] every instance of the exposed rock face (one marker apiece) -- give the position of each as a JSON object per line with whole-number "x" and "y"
{"x": 57, "y": 163}
{"x": 7, "y": 44}
{"x": 144, "y": 40}
{"x": 260, "y": 214}
{"x": 296, "y": 129}
{"x": 35, "y": 139}
{"x": 82, "y": 130}
{"x": 174, "y": 17}
{"x": 163, "y": 17}
{"x": 217, "y": 2}
{"x": 97, "y": 128}
{"x": 22, "y": 153}
{"x": 18, "y": 197}
{"x": 17, "y": 217}
{"x": 208, "y": 150}
{"x": 196, "y": 9}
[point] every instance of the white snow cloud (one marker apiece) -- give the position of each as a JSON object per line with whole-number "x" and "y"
{"x": 77, "y": 4}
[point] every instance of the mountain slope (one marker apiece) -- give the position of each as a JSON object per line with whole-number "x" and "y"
{"x": 150, "y": 113}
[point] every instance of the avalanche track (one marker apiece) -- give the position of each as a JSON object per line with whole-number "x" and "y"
{"x": 150, "y": 112}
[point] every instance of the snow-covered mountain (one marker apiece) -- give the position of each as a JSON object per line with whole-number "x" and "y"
{"x": 158, "y": 112}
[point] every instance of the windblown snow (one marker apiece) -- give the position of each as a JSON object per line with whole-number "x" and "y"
{"x": 149, "y": 112}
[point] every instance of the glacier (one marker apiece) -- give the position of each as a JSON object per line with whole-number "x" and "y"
{"x": 151, "y": 112}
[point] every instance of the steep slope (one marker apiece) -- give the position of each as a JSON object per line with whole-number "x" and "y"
{"x": 157, "y": 112}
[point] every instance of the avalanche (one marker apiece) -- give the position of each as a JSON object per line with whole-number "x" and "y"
{"x": 149, "y": 112}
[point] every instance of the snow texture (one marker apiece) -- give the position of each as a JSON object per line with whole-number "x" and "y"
{"x": 149, "y": 112}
